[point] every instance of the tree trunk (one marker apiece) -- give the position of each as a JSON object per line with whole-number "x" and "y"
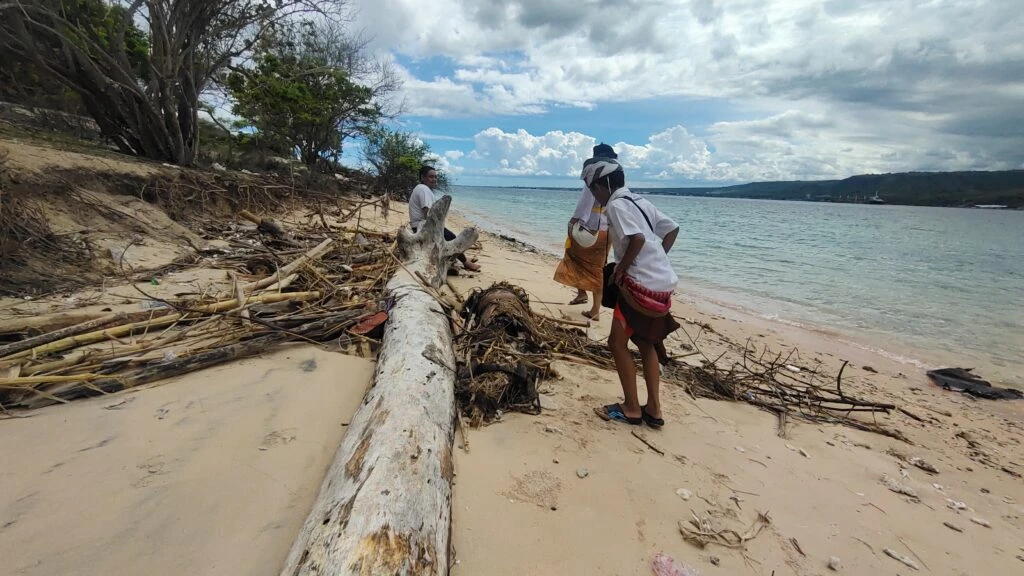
{"x": 385, "y": 504}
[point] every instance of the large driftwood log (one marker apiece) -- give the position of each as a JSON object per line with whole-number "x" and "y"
{"x": 385, "y": 504}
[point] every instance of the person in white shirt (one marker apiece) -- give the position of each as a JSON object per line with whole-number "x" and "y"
{"x": 641, "y": 237}
{"x": 580, "y": 267}
{"x": 420, "y": 201}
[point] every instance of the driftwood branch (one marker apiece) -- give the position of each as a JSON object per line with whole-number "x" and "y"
{"x": 385, "y": 504}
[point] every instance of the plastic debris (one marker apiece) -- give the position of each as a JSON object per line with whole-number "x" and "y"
{"x": 834, "y": 563}
{"x": 957, "y": 506}
{"x": 923, "y": 465}
{"x": 897, "y": 487}
{"x": 684, "y": 494}
{"x": 664, "y": 565}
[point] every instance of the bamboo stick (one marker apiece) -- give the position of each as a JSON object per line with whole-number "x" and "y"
{"x": 24, "y": 381}
{"x": 160, "y": 321}
{"x": 315, "y": 253}
{"x": 57, "y": 321}
{"x": 46, "y": 338}
{"x": 179, "y": 366}
{"x": 578, "y": 324}
{"x": 278, "y": 286}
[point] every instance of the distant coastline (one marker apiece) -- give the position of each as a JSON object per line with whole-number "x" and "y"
{"x": 984, "y": 190}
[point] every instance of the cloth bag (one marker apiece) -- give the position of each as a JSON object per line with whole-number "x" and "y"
{"x": 612, "y": 291}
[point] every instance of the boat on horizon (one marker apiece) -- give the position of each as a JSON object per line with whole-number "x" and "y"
{"x": 875, "y": 199}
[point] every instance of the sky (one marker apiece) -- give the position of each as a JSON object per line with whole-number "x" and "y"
{"x": 706, "y": 92}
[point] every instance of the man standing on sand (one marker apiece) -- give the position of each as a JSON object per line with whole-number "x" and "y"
{"x": 641, "y": 236}
{"x": 420, "y": 201}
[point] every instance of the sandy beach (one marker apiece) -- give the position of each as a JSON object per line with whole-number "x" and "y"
{"x": 214, "y": 473}
{"x": 521, "y": 506}
{"x": 211, "y": 473}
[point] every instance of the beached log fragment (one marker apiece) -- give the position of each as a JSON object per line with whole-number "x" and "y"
{"x": 267, "y": 225}
{"x": 385, "y": 505}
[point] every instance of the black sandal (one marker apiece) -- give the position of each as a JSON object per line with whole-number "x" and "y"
{"x": 650, "y": 420}
{"x": 614, "y": 413}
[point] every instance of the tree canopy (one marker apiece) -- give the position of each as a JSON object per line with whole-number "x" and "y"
{"x": 395, "y": 158}
{"x": 299, "y": 96}
{"x": 148, "y": 107}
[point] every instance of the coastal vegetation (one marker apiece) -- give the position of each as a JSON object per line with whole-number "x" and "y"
{"x": 961, "y": 189}
{"x": 161, "y": 79}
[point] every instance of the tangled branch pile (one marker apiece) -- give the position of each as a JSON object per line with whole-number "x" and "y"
{"x": 506, "y": 349}
{"x": 771, "y": 383}
{"x": 28, "y": 246}
{"x": 332, "y": 292}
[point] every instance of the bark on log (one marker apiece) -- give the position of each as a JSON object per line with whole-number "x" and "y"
{"x": 385, "y": 505}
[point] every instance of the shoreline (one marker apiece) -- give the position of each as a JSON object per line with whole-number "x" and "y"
{"x": 562, "y": 492}
{"x": 578, "y": 495}
{"x": 891, "y": 347}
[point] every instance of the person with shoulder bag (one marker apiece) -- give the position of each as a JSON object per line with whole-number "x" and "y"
{"x": 640, "y": 288}
{"x": 586, "y": 245}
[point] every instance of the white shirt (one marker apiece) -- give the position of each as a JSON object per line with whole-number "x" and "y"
{"x": 589, "y": 212}
{"x": 422, "y": 197}
{"x": 651, "y": 268}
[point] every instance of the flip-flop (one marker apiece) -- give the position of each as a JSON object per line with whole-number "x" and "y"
{"x": 586, "y": 313}
{"x": 578, "y": 300}
{"x": 614, "y": 413}
{"x": 650, "y": 420}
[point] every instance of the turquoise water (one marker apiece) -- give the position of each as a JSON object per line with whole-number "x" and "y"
{"x": 937, "y": 283}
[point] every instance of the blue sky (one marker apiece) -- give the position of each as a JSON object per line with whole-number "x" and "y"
{"x": 706, "y": 92}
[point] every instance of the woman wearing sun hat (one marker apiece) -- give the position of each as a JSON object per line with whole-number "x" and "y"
{"x": 586, "y": 244}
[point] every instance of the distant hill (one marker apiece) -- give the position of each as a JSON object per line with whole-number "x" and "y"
{"x": 908, "y": 188}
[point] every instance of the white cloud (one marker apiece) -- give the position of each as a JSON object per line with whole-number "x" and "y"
{"x": 791, "y": 145}
{"x": 454, "y": 154}
{"x": 443, "y": 164}
{"x": 520, "y": 153}
{"x": 880, "y": 78}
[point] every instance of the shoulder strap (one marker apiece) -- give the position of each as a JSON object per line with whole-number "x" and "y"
{"x": 642, "y": 213}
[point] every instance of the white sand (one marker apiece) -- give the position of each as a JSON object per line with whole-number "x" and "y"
{"x": 86, "y": 490}
{"x": 832, "y": 501}
{"x": 211, "y": 473}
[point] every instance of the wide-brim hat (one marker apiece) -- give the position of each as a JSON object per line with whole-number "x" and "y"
{"x": 599, "y": 168}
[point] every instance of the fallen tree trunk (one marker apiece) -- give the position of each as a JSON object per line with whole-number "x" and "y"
{"x": 385, "y": 505}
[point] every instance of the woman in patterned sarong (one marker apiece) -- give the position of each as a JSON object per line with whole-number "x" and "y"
{"x": 581, "y": 267}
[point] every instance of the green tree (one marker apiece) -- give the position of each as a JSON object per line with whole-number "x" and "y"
{"x": 296, "y": 97}
{"x": 151, "y": 110}
{"x": 394, "y": 158}
{"x": 25, "y": 81}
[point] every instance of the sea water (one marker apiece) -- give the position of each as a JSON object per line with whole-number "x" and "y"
{"x": 945, "y": 284}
